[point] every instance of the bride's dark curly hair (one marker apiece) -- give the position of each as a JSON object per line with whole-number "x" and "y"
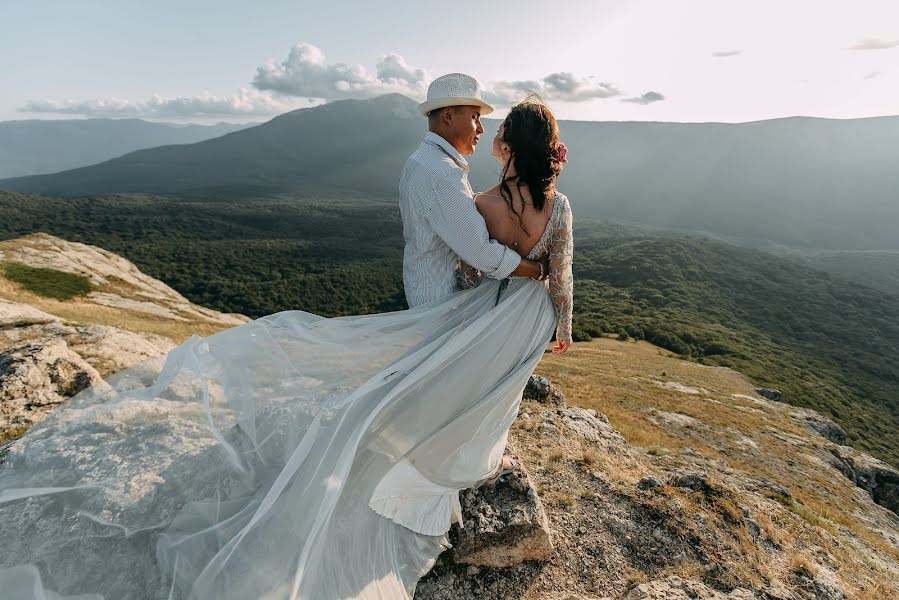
{"x": 532, "y": 134}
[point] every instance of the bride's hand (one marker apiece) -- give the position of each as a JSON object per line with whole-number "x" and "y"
{"x": 561, "y": 346}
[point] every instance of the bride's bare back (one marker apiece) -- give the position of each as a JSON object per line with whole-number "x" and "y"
{"x": 503, "y": 225}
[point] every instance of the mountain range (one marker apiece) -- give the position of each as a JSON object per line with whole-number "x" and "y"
{"x": 798, "y": 182}
{"x": 35, "y": 146}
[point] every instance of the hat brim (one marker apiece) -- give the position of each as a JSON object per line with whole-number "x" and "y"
{"x": 428, "y": 106}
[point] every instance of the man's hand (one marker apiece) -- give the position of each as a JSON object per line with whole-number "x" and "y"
{"x": 531, "y": 268}
{"x": 544, "y": 260}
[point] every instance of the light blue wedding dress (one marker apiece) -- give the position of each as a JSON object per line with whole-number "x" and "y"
{"x": 291, "y": 457}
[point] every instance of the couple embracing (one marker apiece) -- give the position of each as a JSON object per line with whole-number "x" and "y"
{"x": 296, "y": 456}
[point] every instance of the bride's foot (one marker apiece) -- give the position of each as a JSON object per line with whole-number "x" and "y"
{"x": 508, "y": 464}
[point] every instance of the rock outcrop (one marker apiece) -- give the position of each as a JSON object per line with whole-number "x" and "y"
{"x": 872, "y": 475}
{"x": 769, "y": 393}
{"x": 52, "y": 349}
{"x": 34, "y": 378}
{"x": 540, "y": 389}
{"x": 44, "y": 360}
{"x": 118, "y": 281}
{"x": 504, "y": 526}
{"x": 821, "y": 425}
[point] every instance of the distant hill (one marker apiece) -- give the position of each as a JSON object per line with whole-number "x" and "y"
{"x": 800, "y": 182}
{"x": 875, "y": 268}
{"x": 356, "y": 145}
{"x": 33, "y": 146}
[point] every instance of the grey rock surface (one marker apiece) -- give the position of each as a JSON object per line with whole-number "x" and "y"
{"x": 540, "y": 389}
{"x": 504, "y": 525}
{"x": 821, "y": 425}
{"x": 675, "y": 588}
{"x": 770, "y": 393}
{"x": 34, "y": 378}
{"x": 872, "y": 475}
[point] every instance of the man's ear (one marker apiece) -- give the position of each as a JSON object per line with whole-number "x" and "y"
{"x": 447, "y": 113}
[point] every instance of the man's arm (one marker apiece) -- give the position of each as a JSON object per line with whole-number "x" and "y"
{"x": 532, "y": 268}
{"x": 456, "y": 219}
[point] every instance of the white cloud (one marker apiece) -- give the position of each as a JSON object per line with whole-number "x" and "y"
{"x": 306, "y": 73}
{"x": 647, "y": 98}
{"x": 726, "y": 53}
{"x": 245, "y": 102}
{"x": 564, "y": 87}
{"x": 393, "y": 69}
{"x": 874, "y": 44}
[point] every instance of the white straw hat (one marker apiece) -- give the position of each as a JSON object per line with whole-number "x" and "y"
{"x": 454, "y": 89}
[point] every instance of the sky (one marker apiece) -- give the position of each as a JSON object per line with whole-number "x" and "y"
{"x": 598, "y": 60}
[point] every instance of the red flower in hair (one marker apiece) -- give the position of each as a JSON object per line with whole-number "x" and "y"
{"x": 560, "y": 153}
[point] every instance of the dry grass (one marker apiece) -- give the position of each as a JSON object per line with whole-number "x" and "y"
{"x": 879, "y": 589}
{"x": 590, "y": 456}
{"x": 802, "y": 565}
{"x": 585, "y": 493}
{"x": 728, "y": 509}
{"x": 562, "y": 499}
{"x": 635, "y": 578}
{"x": 623, "y": 382}
{"x": 774, "y": 534}
{"x": 84, "y": 312}
{"x": 525, "y": 424}
{"x": 556, "y": 454}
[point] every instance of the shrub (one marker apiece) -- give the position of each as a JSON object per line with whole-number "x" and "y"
{"x": 48, "y": 282}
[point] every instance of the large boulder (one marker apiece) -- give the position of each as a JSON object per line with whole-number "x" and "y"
{"x": 505, "y": 544}
{"x": 34, "y": 378}
{"x": 591, "y": 426}
{"x": 504, "y": 526}
{"x": 13, "y": 314}
{"x": 540, "y": 389}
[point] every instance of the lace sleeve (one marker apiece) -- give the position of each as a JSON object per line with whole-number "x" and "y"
{"x": 467, "y": 276}
{"x": 561, "y": 281}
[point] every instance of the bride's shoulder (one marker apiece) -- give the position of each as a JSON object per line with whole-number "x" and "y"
{"x": 488, "y": 196}
{"x": 561, "y": 200}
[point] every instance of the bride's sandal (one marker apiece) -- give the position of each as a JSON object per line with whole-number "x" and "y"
{"x": 514, "y": 462}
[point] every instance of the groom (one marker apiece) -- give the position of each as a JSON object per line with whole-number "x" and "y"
{"x": 440, "y": 221}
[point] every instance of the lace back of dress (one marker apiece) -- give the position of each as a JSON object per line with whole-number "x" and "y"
{"x": 550, "y": 233}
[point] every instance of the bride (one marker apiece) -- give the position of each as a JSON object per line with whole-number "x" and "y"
{"x": 296, "y": 456}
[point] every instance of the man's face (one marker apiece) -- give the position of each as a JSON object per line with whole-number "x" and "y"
{"x": 465, "y": 128}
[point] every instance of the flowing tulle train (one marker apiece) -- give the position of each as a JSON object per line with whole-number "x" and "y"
{"x": 289, "y": 457}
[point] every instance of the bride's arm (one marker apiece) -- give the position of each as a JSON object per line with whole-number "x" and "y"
{"x": 561, "y": 280}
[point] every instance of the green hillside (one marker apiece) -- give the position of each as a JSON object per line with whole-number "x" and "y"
{"x": 825, "y": 342}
